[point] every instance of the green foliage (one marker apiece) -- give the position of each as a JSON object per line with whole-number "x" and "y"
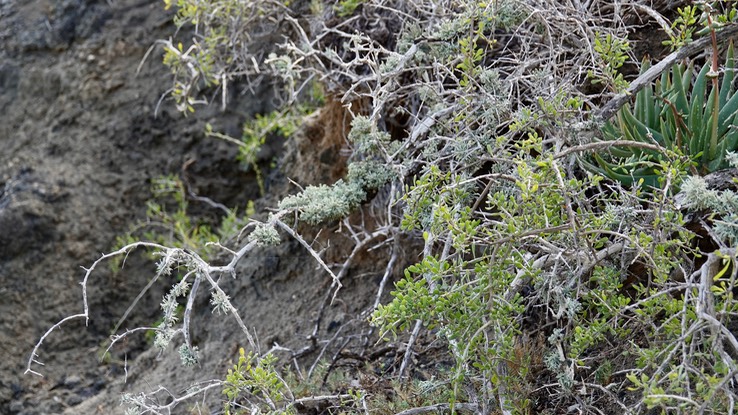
{"x": 256, "y": 379}
{"x": 255, "y": 386}
{"x": 231, "y": 34}
{"x": 256, "y": 131}
{"x": 262, "y": 127}
{"x": 170, "y": 223}
{"x": 514, "y": 233}
{"x": 709, "y": 15}
{"x": 345, "y": 8}
{"x": 681, "y": 116}
{"x": 613, "y": 53}
{"x": 683, "y": 27}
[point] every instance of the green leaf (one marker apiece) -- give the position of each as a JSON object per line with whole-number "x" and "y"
{"x": 727, "y": 114}
{"x": 726, "y": 89}
{"x": 680, "y": 87}
{"x": 698, "y": 113}
{"x": 700, "y": 143}
{"x": 643, "y": 133}
{"x": 628, "y": 173}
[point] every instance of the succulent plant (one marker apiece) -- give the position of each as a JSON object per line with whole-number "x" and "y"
{"x": 680, "y": 113}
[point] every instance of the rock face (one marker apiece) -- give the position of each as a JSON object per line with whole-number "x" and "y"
{"x": 79, "y": 143}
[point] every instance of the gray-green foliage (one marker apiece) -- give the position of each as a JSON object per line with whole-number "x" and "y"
{"x": 264, "y": 235}
{"x": 322, "y": 203}
{"x": 369, "y": 175}
{"x": 722, "y": 204}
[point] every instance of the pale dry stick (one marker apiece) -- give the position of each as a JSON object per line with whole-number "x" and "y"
{"x": 423, "y": 127}
{"x": 391, "y": 203}
{"x": 522, "y": 235}
{"x": 345, "y": 224}
{"x": 627, "y": 238}
{"x": 205, "y": 270}
{"x": 607, "y": 144}
{"x": 218, "y": 245}
{"x": 176, "y": 400}
{"x": 86, "y": 310}
{"x": 706, "y": 307}
{"x": 115, "y": 338}
{"x": 720, "y": 327}
{"x": 230, "y": 267}
{"x": 674, "y": 397}
{"x": 188, "y": 309}
{"x": 361, "y": 244}
{"x": 406, "y": 15}
{"x": 387, "y": 274}
{"x": 321, "y": 398}
{"x": 684, "y": 324}
{"x": 32, "y": 359}
{"x": 323, "y": 350}
{"x": 667, "y": 291}
{"x": 567, "y": 200}
{"x": 409, "y": 349}
{"x": 665, "y": 25}
{"x": 312, "y": 252}
{"x": 214, "y": 285}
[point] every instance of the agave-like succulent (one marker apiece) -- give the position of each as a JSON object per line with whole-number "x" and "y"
{"x": 682, "y": 115}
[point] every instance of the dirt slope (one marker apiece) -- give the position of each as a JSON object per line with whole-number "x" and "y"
{"x": 79, "y": 143}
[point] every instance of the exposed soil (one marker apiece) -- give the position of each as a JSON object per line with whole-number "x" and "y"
{"x": 80, "y": 142}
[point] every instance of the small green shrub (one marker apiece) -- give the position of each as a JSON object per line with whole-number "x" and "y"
{"x": 256, "y": 379}
{"x": 683, "y": 27}
{"x": 613, "y": 53}
{"x": 346, "y": 8}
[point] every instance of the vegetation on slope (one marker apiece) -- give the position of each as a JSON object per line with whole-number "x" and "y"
{"x": 561, "y": 267}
